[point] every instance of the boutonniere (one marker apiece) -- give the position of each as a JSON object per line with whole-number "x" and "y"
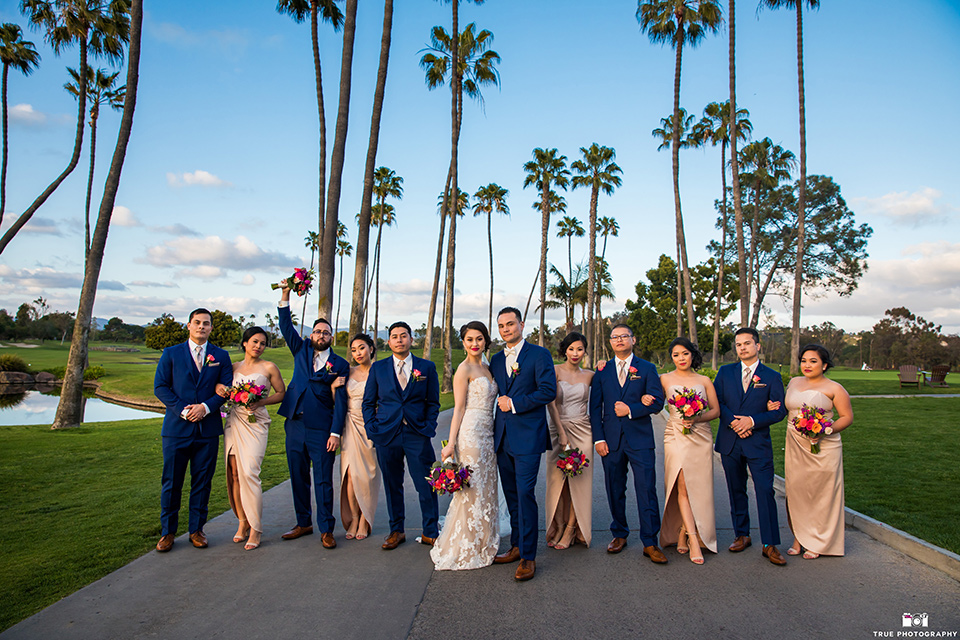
{"x": 601, "y": 365}
{"x": 756, "y": 382}
{"x": 514, "y": 369}
{"x": 210, "y": 361}
{"x": 329, "y": 367}
{"x": 417, "y": 376}
{"x": 633, "y": 373}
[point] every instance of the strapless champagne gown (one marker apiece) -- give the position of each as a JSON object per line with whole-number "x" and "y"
{"x": 359, "y": 459}
{"x": 247, "y": 442}
{"x": 573, "y": 406}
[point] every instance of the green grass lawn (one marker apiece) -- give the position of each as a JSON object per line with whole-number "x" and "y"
{"x": 78, "y": 504}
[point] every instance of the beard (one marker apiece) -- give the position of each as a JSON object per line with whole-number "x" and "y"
{"x": 319, "y": 344}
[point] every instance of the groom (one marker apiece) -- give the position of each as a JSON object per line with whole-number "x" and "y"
{"x": 743, "y": 440}
{"x": 527, "y": 383}
{"x": 314, "y": 415}
{"x": 401, "y": 403}
{"x": 186, "y": 383}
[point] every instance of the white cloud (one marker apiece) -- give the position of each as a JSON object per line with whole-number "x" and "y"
{"x": 44, "y": 226}
{"x": 33, "y": 281}
{"x": 248, "y": 280}
{"x": 919, "y": 208}
{"x": 143, "y": 309}
{"x": 25, "y": 114}
{"x": 176, "y": 230}
{"x": 231, "y": 43}
{"x": 204, "y": 272}
{"x": 198, "y": 178}
{"x": 149, "y": 283}
{"x": 124, "y": 217}
{"x": 214, "y": 251}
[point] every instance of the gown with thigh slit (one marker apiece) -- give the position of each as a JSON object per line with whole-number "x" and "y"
{"x": 247, "y": 442}
{"x": 359, "y": 459}
{"x": 572, "y": 405}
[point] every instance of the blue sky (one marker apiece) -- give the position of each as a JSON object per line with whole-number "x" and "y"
{"x": 220, "y": 182}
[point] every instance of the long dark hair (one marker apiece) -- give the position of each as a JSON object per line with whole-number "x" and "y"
{"x": 695, "y": 355}
{"x": 821, "y": 351}
{"x": 249, "y": 333}
{"x": 568, "y": 340}
{"x": 476, "y": 325}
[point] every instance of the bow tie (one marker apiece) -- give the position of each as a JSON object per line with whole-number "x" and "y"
{"x": 510, "y": 352}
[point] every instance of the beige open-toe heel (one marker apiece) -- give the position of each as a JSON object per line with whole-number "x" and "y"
{"x": 568, "y": 533}
{"x": 681, "y": 536}
{"x": 694, "y": 559}
{"x": 241, "y": 532}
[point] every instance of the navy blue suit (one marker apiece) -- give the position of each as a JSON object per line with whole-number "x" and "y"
{"x": 630, "y": 440}
{"x": 312, "y": 413}
{"x": 401, "y": 423}
{"x": 755, "y": 451}
{"x": 521, "y": 438}
{"x": 178, "y": 383}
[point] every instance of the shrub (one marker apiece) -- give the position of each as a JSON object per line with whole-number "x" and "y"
{"x": 13, "y": 362}
{"x": 94, "y": 373}
{"x": 57, "y": 372}
{"x": 707, "y": 371}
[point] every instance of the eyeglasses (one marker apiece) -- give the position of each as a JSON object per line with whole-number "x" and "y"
{"x": 322, "y": 334}
{"x": 620, "y": 338}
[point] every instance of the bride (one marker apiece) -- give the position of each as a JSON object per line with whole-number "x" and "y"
{"x": 471, "y": 530}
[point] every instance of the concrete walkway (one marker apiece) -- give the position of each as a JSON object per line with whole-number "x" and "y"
{"x": 300, "y": 590}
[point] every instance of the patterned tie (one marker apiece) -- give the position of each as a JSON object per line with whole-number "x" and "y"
{"x": 622, "y": 374}
{"x": 511, "y": 359}
{"x": 402, "y": 375}
{"x": 197, "y": 357}
{"x": 746, "y": 379}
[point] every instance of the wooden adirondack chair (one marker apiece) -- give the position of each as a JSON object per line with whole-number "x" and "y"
{"x": 909, "y": 375}
{"x": 938, "y": 376}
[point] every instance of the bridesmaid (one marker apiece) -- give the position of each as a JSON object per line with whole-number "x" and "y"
{"x": 359, "y": 471}
{"x": 815, "y": 480}
{"x": 570, "y": 500}
{"x": 688, "y": 513}
{"x": 245, "y": 442}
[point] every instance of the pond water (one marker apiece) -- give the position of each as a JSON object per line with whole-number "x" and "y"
{"x": 33, "y": 407}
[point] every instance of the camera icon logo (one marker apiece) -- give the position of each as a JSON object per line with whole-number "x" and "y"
{"x": 915, "y": 620}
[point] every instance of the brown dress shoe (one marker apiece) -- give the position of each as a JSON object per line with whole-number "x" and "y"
{"x": 326, "y": 539}
{"x": 394, "y": 540}
{"x": 741, "y": 543}
{"x": 198, "y": 539}
{"x": 296, "y": 532}
{"x": 525, "y": 570}
{"x": 653, "y": 552}
{"x": 772, "y": 554}
{"x": 166, "y": 543}
{"x": 616, "y": 545}
{"x": 506, "y": 558}
{"x": 427, "y": 540}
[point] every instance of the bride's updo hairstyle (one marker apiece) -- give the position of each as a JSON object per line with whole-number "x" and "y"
{"x": 570, "y": 338}
{"x": 249, "y": 333}
{"x": 696, "y": 358}
{"x": 362, "y": 337}
{"x": 822, "y": 352}
{"x": 476, "y": 325}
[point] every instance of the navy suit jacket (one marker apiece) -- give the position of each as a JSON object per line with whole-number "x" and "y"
{"x": 605, "y": 391}
{"x": 531, "y": 388}
{"x": 386, "y": 406}
{"x": 309, "y": 392}
{"x": 735, "y": 402}
{"x": 177, "y": 383}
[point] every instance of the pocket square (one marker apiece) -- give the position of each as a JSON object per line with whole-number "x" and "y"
{"x": 214, "y": 364}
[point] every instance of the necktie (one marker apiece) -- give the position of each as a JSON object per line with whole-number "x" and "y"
{"x": 316, "y": 361}
{"x": 511, "y": 359}
{"x": 746, "y": 379}
{"x": 197, "y": 359}
{"x": 402, "y": 375}
{"x": 622, "y": 374}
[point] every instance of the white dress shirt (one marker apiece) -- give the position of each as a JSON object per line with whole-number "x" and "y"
{"x": 509, "y": 361}
{"x": 193, "y": 354}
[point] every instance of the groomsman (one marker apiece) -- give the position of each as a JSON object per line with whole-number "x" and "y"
{"x": 186, "y": 383}
{"x": 743, "y": 440}
{"x": 401, "y": 402}
{"x": 527, "y": 383}
{"x": 314, "y": 420}
{"x": 624, "y": 393}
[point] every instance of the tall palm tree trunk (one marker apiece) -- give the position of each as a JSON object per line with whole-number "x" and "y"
{"x": 74, "y": 158}
{"x": 455, "y": 111}
{"x": 69, "y": 409}
{"x": 93, "y": 159}
{"x": 376, "y": 265}
{"x": 679, "y": 293}
{"x": 322, "y": 168}
{"x": 589, "y": 329}
{"x": 533, "y": 288}
{"x": 723, "y": 258}
{"x": 303, "y": 311}
{"x": 801, "y": 203}
{"x": 336, "y": 321}
{"x": 735, "y": 166}
{"x": 490, "y": 245}
{"x": 376, "y": 304}
{"x": 3, "y": 163}
{"x": 681, "y": 240}
{"x": 328, "y": 250}
{"x": 431, "y": 313}
{"x": 753, "y": 262}
{"x": 358, "y": 307}
{"x": 598, "y": 331}
{"x": 544, "y": 232}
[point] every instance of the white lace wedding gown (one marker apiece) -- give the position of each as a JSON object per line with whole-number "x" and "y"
{"x": 471, "y": 529}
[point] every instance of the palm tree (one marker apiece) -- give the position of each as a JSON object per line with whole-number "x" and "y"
{"x": 100, "y": 92}
{"x": 715, "y": 128}
{"x": 802, "y": 182}
{"x": 344, "y": 248}
{"x": 597, "y": 170}
{"x": 327, "y": 11}
{"x": 568, "y": 227}
{"x": 486, "y": 200}
{"x": 679, "y": 22}
{"x": 357, "y": 308}
{"x": 382, "y": 215}
{"x": 462, "y": 204}
{"x": 100, "y": 28}
{"x": 475, "y": 65}
{"x": 547, "y": 169}
{"x": 767, "y": 165}
{"x": 21, "y": 55}
{"x": 71, "y": 395}
{"x": 312, "y": 242}
{"x": 607, "y": 226}
{"x": 564, "y": 294}
{"x": 387, "y": 184}
{"x": 555, "y": 204}
{"x": 735, "y": 163}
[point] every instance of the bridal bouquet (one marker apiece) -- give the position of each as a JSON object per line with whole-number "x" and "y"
{"x": 572, "y": 462}
{"x": 300, "y": 282}
{"x": 689, "y": 404}
{"x": 245, "y": 394}
{"x": 812, "y": 422}
{"x": 449, "y": 476}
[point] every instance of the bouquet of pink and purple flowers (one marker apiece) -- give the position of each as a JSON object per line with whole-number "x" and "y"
{"x": 689, "y": 404}
{"x": 813, "y": 423}
{"x": 449, "y": 476}
{"x": 245, "y": 394}
{"x": 300, "y": 282}
{"x": 572, "y": 461}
